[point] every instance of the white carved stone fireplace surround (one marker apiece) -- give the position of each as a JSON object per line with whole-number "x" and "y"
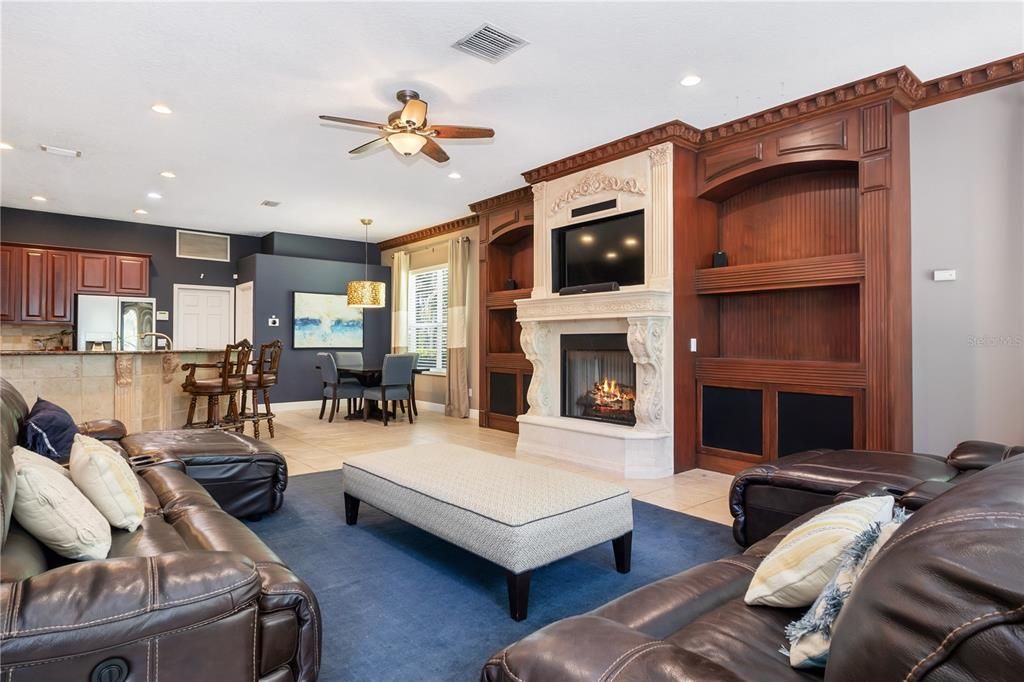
{"x": 643, "y": 313}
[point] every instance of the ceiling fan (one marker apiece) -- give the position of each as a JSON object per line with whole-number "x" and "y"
{"x": 408, "y": 131}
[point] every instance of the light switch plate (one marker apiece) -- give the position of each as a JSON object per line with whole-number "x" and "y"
{"x": 693, "y": 345}
{"x": 944, "y": 275}
{"x": 162, "y": 316}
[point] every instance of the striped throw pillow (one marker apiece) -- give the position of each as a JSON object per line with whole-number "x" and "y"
{"x": 800, "y": 566}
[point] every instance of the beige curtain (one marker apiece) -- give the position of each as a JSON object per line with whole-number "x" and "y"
{"x": 457, "y": 398}
{"x": 400, "y": 302}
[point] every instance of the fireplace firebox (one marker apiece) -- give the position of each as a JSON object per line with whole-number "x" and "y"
{"x": 598, "y": 378}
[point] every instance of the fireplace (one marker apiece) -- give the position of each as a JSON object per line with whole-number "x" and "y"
{"x": 598, "y": 378}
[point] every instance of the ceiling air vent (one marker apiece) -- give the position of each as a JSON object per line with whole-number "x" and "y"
{"x": 489, "y": 43}
{"x": 204, "y": 246}
{"x": 270, "y": 204}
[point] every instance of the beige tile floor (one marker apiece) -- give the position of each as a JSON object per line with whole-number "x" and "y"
{"x": 311, "y": 445}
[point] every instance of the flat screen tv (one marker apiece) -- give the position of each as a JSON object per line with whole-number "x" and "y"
{"x": 604, "y": 250}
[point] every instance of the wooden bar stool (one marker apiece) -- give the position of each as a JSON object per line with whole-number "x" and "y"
{"x": 229, "y": 381}
{"x": 264, "y": 377}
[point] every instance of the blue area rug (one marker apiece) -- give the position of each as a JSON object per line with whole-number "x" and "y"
{"x": 399, "y": 603}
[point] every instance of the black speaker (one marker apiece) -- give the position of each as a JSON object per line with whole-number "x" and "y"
{"x": 719, "y": 259}
{"x": 589, "y": 288}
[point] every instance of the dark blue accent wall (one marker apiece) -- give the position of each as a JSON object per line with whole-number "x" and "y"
{"x": 165, "y": 268}
{"x": 275, "y": 279}
{"x": 304, "y": 246}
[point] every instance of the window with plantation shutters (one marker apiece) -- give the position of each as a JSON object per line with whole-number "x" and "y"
{"x": 428, "y": 317}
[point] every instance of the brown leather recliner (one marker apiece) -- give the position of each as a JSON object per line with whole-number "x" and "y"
{"x": 943, "y": 600}
{"x": 192, "y": 594}
{"x": 767, "y": 496}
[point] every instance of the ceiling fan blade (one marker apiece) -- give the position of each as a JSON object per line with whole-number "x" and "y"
{"x": 369, "y": 146}
{"x": 434, "y": 151}
{"x": 414, "y": 113}
{"x": 461, "y": 131}
{"x": 352, "y": 122}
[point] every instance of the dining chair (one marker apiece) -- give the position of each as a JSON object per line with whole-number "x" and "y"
{"x": 334, "y": 388}
{"x": 395, "y": 385}
{"x": 229, "y": 381}
{"x": 263, "y": 377}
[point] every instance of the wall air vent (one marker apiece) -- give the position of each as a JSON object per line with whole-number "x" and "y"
{"x": 490, "y": 43}
{"x": 270, "y": 204}
{"x": 204, "y": 246}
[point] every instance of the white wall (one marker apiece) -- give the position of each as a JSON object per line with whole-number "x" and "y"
{"x": 967, "y": 213}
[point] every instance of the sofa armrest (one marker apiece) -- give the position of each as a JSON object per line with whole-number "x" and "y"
{"x": 579, "y": 649}
{"x": 103, "y": 429}
{"x": 111, "y": 603}
{"x": 284, "y": 592}
{"x": 923, "y": 493}
{"x": 866, "y": 489}
{"x": 980, "y": 454}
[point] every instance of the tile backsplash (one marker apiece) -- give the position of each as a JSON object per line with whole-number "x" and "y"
{"x": 19, "y": 336}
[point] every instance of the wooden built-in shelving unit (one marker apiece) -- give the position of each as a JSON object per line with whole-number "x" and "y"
{"x": 506, "y": 253}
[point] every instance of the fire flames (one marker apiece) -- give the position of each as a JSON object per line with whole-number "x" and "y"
{"x": 607, "y": 394}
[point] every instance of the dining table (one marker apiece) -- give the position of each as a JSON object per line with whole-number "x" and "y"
{"x": 368, "y": 373}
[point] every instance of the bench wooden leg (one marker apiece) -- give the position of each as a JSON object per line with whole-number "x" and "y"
{"x": 623, "y": 547}
{"x": 518, "y": 593}
{"x": 351, "y": 509}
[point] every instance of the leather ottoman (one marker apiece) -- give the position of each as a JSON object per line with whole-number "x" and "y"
{"x": 245, "y": 476}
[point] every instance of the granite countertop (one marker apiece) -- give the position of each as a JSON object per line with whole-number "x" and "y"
{"x": 107, "y": 352}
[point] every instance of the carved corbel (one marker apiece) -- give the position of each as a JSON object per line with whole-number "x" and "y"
{"x": 123, "y": 366}
{"x": 169, "y": 366}
{"x": 646, "y": 340}
{"x": 534, "y": 339}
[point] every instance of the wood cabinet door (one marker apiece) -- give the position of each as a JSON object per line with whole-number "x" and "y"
{"x": 94, "y": 273}
{"x": 60, "y": 283}
{"x": 131, "y": 275}
{"x": 33, "y": 285}
{"x": 9, "y": 283}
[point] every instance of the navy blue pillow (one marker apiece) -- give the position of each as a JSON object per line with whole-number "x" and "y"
{"x": 48, "y": 430}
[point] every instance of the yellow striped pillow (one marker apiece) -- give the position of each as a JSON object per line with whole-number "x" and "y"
{"x": 800, "y": 566}
{"x": 106, "y": 478}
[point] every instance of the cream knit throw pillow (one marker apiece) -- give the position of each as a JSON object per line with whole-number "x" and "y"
{"x": 108, "y": 481}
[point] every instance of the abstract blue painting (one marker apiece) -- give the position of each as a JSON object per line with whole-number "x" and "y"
{"x": 326, "y": 321}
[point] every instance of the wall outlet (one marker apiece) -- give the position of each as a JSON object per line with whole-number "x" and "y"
{"x": 273, "y": 321}
{"x": 470, "y": 393}
{"x": 944, "y": 275}
{"x": 162, "y": 316}
{"x": 693, "y": 345}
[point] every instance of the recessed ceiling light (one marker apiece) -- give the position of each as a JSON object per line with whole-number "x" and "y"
{"x": 38, "y": 197}
{"x": 141, "y": 211}
{"x": 611, "y": 255}
{"x": 690, "y": 81}
{"x": 587, "y": 238}
{"x": 161, "y": 109}
{"x": 155, "y": 195}
{"x": 167, "y": 174}
{"x": 630, "y": 241}
{"x": 5, "y": 146}
{"x": 455, "y": 175}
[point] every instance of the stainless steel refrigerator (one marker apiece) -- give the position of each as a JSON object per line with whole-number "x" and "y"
{"x": 115, "y": 323}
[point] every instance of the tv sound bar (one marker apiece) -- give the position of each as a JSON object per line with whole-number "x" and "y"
{"x": 589, "y": 288}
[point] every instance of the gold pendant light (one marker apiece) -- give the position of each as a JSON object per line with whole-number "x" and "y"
{"x": 364, "y": 293}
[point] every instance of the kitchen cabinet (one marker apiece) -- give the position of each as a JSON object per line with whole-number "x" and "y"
{"x": 40, "y": 283}
{"x": 131, "y": 275}
{"x": 9, "y": 283}
{"x": 95, "y": 273}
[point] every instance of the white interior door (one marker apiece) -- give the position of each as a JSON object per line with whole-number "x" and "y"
{"x": 203, "y": 317}
{"x": 243, "y": 312}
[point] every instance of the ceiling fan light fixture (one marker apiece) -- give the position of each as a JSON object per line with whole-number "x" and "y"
{"x": 407, "y": 144}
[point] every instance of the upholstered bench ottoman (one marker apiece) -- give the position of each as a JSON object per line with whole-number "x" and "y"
{"x": 520, "y": 516}
{"x": 245, "y": 476}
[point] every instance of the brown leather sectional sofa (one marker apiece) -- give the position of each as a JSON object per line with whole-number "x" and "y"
{"x": 944, "y": 600}
{"x": 191, "y": 595}
{"x": 767, "y": 496}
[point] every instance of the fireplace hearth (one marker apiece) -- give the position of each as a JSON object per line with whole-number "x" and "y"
{"x": 598, "y": 378}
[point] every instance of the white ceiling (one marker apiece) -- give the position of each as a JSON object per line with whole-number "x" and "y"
{"x": 247, "y": 81}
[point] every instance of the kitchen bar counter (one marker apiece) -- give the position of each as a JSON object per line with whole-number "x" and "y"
{"x": 141, "y": 388}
